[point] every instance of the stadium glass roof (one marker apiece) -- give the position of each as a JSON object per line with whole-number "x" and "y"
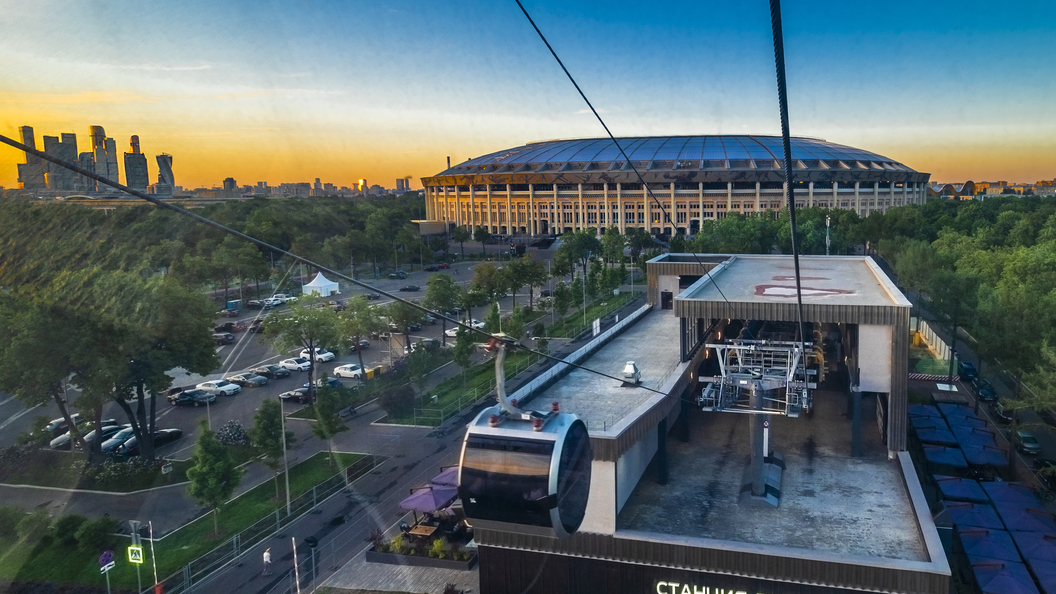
{"x": 674, "y": 148}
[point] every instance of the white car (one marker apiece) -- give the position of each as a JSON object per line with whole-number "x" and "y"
{"x": 352, "y": 370}
{"x": 271, "y": 302}
{"x": 284, "y": 298}
{"x": 321, "y": 355}
{"x": 298, "y": 364}
{"x": 475, "y": 324}
{"x": 220, "y": 387}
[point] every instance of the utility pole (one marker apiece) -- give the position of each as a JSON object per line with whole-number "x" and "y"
{"x": 285, "y": 458}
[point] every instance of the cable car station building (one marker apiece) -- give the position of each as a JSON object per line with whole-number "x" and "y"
{"x": 668, "y": 511}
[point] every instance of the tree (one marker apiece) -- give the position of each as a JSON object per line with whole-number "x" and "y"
{"x": 511, "y": 277}
{"x": 639, "y": 239}
{"x": 359, "y": 319}
{"x": 481, "y": 235}
{"x": 533, "y": 275}
{"x": 612, "y": 244}
{"x": 403, "y": 316}
{"x": 954, "y": 296}
{"x": 579, "y": 246}
{"x": 493, "y": 321}
{"x": 418, "y": 366}
{"x": 487, "y": 281}
{"x": 328, "y": 421}
{"x": 442, "y": 295}
{"x": 213, "y": 474}
{"x": 514, "y": 327}
{"x": 563, "y": 298}
{"x": 463, "y": 351}
{"x": 267, "y": 436}
{"x": 461, "y": 235}
{"x": 308, "y": 327}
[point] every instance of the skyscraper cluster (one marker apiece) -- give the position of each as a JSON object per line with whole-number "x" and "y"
{"x": 38, "y": 174}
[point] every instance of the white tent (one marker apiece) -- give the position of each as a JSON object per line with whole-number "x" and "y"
{"x": 321, "y": 285}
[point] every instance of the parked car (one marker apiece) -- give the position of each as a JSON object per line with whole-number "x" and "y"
{"x": 967, "y": 371}
{"x": 414, "y": 327}
{"x": 65, "y": 441}
{"x": 443, "y": 265}
{"x": 59, "y": 426}
{"x": 321, "y": 355}
{"x": 984, "y": 390}
{"x": 222, "y": 338}
{"x": 161, "y": 437}
{"x": 249, "y": 380}
{"x": 1027, "y": 443}
{"x": 220, "y": 386}
{"x": 271, "y": 371}
{"x": 397, "y": 274}
{"x": 373, "y": 296}
{"x": 352, "y": 370}
{"x": 115, "y": 441}
{"x": 296, "y": 364}
{"x": 284, "y": 297}
{"x": 425, "y": 343}
{"x": 429, "y": 319}
{"x": 362, "y": 345}
{"x": 295, "y": 395}
{"x": 229, "y": 327}
{"x": 257, "y": 326}
{"x": 193, "y": 397}
{"x": 271, "y": 302}
{"x": 254, "y": 304}
{"x": 431, "y": 268}
{"x": 410, "y": 288}
{"x": 326, "y": 382}
{"x": 228, "y": 313}
{"x": 545, "y": 293}
{"x": 336, "y": 305}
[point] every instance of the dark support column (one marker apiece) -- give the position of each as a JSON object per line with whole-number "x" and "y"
{"x": 756, "y": 427}
{"x": 683, "y": 418}
{"x": 856, "y": 424}
{"x": 661, "y": 453}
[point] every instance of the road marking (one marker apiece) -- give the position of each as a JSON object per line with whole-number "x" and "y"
{"x": 14, "y": 417}
{"x": 6, "y": 400}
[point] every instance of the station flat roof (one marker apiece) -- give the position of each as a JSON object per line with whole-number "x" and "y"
{"x": 831, "y": 502}
{"x": 826, "y": 280}
{"x": 602, "y": 403}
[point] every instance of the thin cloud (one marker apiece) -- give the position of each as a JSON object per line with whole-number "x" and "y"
{"x": 108, "y": 96}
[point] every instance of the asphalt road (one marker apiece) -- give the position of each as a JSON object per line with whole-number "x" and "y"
{"x": 250, "y": 351}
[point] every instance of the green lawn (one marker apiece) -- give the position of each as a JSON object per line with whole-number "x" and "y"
{"x": 478, "y": 381}
{"x": 49, "y": 561}
{"x": 572, "y": 324}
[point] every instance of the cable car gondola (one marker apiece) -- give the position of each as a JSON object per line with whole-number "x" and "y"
{"x": 525, "y": 471}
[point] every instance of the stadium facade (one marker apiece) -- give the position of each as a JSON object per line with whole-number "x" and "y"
{"x": 565, "y": 185}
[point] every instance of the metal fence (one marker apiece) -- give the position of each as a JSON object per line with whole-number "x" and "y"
{"x": 201, "y": 568}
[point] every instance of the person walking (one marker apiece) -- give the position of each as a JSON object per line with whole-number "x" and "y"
{"x": 267, "y": 562}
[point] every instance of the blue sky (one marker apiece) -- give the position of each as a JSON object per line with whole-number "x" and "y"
{"x": 290, "y": 91}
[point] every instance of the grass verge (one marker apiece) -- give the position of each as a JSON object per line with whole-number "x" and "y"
{"x": 572, "y": 324}
{"x": 46, "y": 560}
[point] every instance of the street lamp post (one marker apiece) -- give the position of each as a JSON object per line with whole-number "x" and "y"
{"x": 827, "y": 221}
{"x": 285, "y": 458}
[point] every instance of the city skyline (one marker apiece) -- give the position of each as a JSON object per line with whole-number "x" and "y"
{"x": 343, "y": 92}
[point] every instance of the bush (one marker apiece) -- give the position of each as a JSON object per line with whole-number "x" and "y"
{"x": 9, "y": 518}
{"x": 437, "y": 551}
{"x": 34, "y": 525}
{"x": 398, "y": 400}
{"x": 538, "y": 329}
{"x": 232, "y": 433}
{"x": 94, "y": 536}
{"x": 65, "y": 529}
{"x": 113, "y": 472}
{"x": 396, "y": 544}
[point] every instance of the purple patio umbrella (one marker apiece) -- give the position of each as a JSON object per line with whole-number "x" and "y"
{"x": 429, "y": 499}
{"x": 952, "y": 457}
{"x": 1045, "y": 572}
{"x": 1036, "y": 545}
{"x": 1020, "y": 517}
{"x": 1002, "y": 577}
{"x": 979, "y": 515}
{"x": 923, "y": 410}
{"x": 955, "y": 488}
{"x": 1013, "y": 492}
{"x": 989, "y": 544}
{"x": 937, "y": 436}
{"x": 984, "y": 455}
{"x": 967, "y": 436}
{"x": 448, "y": 476}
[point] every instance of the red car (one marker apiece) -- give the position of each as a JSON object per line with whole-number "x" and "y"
{"x": 443, "y": 266}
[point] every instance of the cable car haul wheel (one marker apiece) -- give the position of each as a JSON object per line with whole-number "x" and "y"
{"x": 527, "y": 474}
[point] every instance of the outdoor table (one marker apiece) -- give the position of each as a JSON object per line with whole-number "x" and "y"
{"x": 423, "y": 530}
